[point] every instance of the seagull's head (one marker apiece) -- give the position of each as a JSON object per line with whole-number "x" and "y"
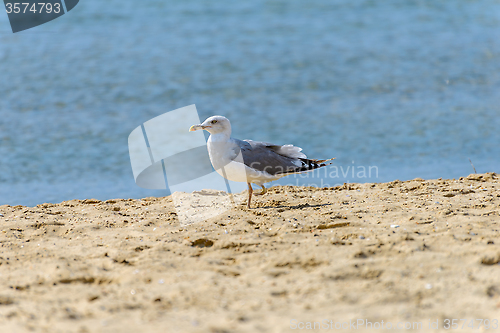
{"x": 214, "y": 125}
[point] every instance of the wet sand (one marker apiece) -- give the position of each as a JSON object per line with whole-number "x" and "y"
{"x": 398, "y": 252}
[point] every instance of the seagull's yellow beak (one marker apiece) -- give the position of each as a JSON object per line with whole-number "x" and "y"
{"x": 195, "y": 128}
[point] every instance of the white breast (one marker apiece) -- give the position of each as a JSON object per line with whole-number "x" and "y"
{"x": 222, "y": 152}
{"x": 224, "y": 160}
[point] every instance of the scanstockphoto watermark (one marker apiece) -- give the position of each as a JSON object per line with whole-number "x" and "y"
{"x": 356, "y": 324}
{"x": 428, "y": 325}
{"x": 352, "y": 171}
{"x": 335, "y": 175}
{"x": 165, "y": 155}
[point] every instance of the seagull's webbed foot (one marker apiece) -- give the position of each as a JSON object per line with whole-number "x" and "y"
{"x": 264, "y": 190}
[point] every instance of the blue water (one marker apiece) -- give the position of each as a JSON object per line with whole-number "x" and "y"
{"x": 409, "y": 87}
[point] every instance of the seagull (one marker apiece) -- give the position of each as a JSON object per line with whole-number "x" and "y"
{"x": 253, "y": 162}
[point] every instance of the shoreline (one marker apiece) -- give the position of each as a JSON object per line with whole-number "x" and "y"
{"x": 398, "y": 251}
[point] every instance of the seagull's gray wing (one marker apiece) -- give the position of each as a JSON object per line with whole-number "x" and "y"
{"x": 273, "y": 159}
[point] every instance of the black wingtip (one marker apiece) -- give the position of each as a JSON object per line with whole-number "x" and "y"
{"x": 309, "y": 164}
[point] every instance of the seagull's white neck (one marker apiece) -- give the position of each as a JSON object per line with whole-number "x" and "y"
{"x": 219, "y": 147}
{"x": 220, "y": 137}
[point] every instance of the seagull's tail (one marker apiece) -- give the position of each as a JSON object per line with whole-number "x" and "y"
{"x": 322, "y": 162}
{"x": 310, "y": 164}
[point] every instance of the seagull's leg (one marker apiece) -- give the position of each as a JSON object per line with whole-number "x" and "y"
{"x": 264, "y": 190}
{"x": 250, "y": 191}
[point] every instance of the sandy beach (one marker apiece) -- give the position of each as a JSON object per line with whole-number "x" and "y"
{"x": 398, "y": 252}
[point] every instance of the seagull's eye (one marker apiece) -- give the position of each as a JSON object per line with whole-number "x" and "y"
{"x": 214, "y": 121}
